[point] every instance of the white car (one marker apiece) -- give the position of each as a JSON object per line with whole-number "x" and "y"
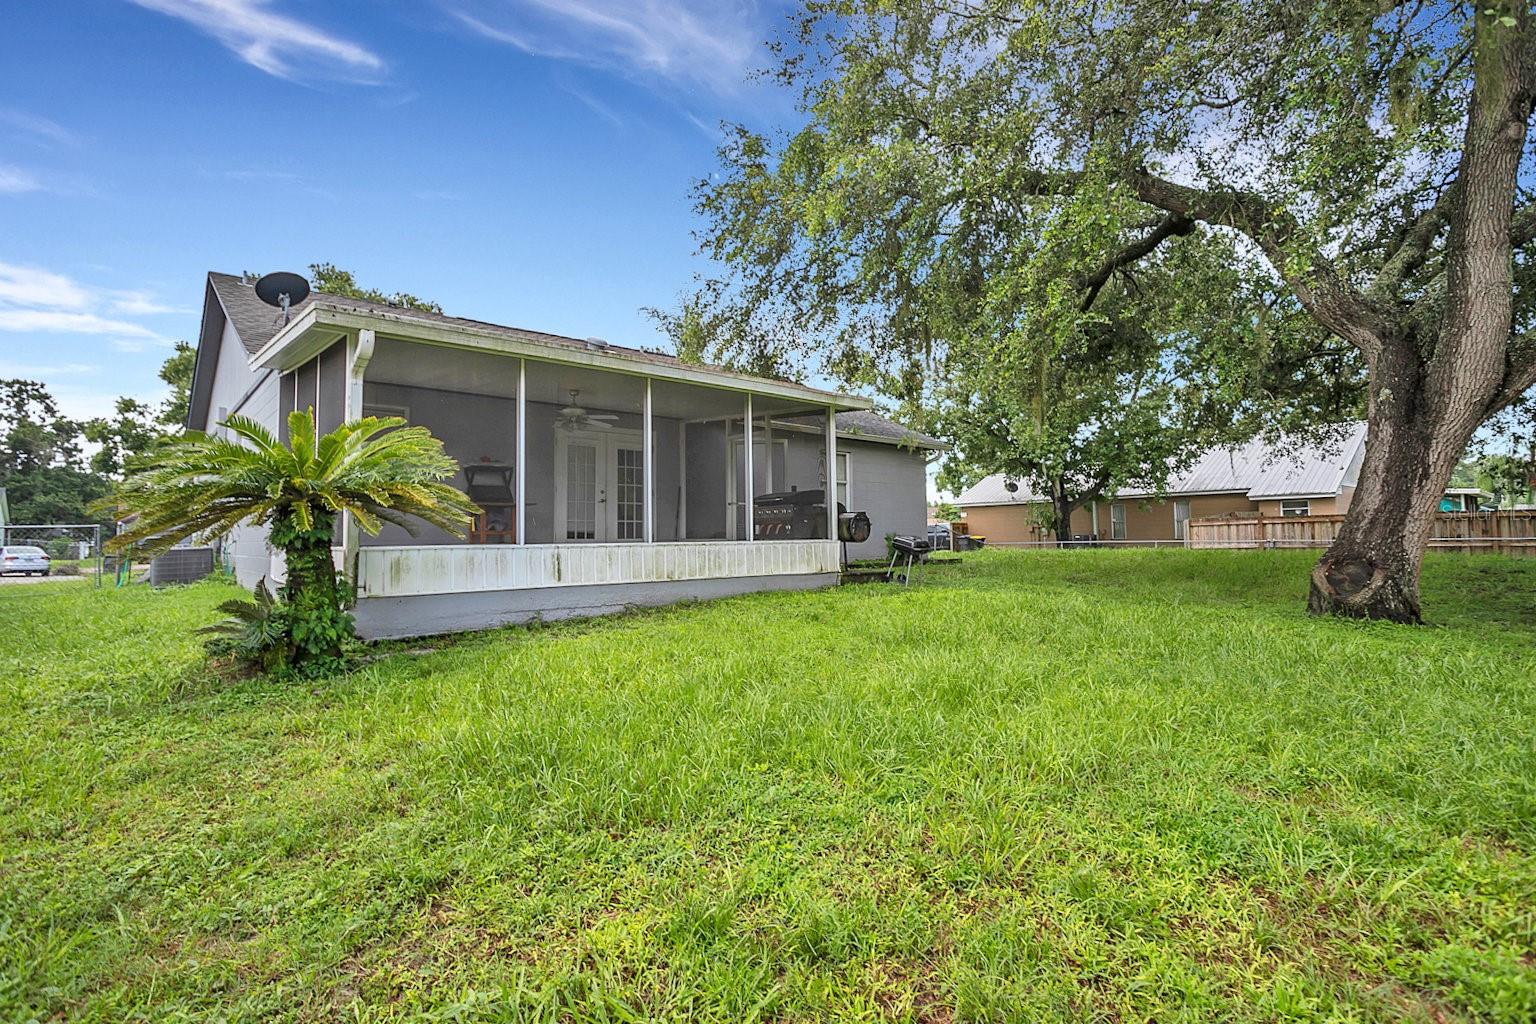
{"x": 26, "y": 560}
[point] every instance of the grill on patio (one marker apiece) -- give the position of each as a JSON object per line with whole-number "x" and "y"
{"x": 802, "y": 515}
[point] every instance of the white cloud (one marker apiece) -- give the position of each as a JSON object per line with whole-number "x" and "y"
{"x": 275, "y": 43}
{"x": 595, "y": 105}
{"x": 39, "y": 129}
{"x": 33, "y": 371}
{"x": 28, "y": 286}
{"x": 43, "y": 302}
{"x": 14, "y": 180}
{"x": 714, "y": 43}
{"x": 58, "y": 321}
{"x": 142, "y": 304}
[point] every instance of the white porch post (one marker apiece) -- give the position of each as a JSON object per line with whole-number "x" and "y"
{"x": 648, "y": 478}
{"x": 682, "y": 480}
{"x": 831, "y": 495}
{"x": 522, "y": 451}
{"x": 746, "y": 448}
{"x": 768, "y": 447}
{"x": 359, "y": 352}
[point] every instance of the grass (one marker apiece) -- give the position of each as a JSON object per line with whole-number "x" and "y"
{"x": 1106, "y": 786}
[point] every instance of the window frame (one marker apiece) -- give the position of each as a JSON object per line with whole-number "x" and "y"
{"x": 1117, "y": 524}
{"x": 1305, "y": 503}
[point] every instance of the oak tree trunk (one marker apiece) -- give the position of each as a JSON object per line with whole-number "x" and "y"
{"x": 1429, "y": 394}
{"x": 1062, "y": 511}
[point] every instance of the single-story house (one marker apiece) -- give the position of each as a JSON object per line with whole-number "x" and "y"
{"x": 610, "y": 476}
{"x": 1289, "y": 479}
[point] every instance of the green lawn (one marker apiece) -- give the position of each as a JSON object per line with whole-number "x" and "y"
{"x": 1107, "y": 786}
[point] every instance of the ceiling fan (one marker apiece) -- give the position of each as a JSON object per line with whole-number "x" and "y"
{"x": 574, "y": 417}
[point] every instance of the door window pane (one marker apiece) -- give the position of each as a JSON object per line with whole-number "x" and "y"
{"x": 580, "y": 492}
{"x": 630, "y": 485}
{"x": 1117, "y": 522}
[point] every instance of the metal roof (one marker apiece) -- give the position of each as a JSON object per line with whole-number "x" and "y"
{"x": 1289, "y": 468}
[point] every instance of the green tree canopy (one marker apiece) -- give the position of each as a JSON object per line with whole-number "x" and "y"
{"x": 1017, "y": 156}
{"x": 332, "y": 280}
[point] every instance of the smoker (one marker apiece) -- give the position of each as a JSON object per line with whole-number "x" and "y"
{"x": 802, "y": 515}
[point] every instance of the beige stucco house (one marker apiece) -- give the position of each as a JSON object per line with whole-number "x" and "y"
{"x": 1286, "y": 479}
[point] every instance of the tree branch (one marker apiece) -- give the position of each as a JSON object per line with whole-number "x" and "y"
{"x": 1171, "y": 225}
{"x": 1414, "y": 245}
{"x": 1316, "y": 284}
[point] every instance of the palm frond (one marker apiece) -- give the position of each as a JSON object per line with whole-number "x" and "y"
{"x": 379, "y": 469}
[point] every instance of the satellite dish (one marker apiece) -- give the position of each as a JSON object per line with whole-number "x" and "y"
{"x": 282, "y": 289}
{"x": 1011, "y": 486}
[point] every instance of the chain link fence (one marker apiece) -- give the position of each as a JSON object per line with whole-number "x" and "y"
{"x": 54, "y": 550}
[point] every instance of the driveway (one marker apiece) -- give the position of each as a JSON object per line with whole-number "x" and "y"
{"x": 4, "y": 580}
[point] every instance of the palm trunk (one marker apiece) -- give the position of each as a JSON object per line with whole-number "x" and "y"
{"x": 313, "y": 591}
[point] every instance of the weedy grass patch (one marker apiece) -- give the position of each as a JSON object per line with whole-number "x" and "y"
{"x": 1127, "y": 785}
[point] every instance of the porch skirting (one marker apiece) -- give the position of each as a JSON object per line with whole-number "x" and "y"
{"x": 394, "y": 618}
{"x": 417, "y": 570}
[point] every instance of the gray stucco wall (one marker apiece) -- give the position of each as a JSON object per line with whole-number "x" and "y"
{"x": 888, "y": 482}
{"x": 237, "y": 389}
{"x": 393, "y": 618}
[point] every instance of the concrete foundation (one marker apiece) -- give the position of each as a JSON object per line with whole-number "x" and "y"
{"x": 395, "y": 618}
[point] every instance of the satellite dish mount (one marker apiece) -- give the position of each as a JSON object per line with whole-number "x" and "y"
{"x": 283, "y": 290}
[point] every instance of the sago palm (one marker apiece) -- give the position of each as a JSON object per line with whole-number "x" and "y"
{"x": 378, "y": 470}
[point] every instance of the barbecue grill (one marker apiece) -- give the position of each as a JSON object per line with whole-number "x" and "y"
{"x": 905, "y": 550}
{"x": 802, "y": 515}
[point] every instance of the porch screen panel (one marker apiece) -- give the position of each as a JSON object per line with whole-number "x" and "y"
{"x": 580, "y": 492}
{"x": 630, "y": 468}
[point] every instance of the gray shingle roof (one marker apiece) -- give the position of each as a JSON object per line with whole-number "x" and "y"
{"x": 872, "y": 426}
{"x": 1259, "y": 470}
{"x": 257, "y": 323}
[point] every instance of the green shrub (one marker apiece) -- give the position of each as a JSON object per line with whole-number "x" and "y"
{"x": 256, "y": 635}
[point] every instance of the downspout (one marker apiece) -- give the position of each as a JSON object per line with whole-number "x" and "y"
{"x": 359, "y": 352}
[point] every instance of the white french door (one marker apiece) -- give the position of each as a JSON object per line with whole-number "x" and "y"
{"x": 599, "y": 487}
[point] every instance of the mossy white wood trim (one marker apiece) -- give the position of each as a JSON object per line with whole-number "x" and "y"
{"x": 466, "y": 568}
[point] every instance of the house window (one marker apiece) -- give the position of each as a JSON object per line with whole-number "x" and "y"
{"x": 1117, "y": 521}
{"x": 1295, "y": 507}
{"x": 1180, "y": 519}
{"x": 842, "y": 479}
{"x": 383, "y": 411}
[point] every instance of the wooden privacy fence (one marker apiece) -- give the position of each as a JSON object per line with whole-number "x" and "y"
{"x": 1506, "y": 532}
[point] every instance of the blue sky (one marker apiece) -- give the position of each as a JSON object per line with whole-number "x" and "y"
{"x": 522, "y": 161}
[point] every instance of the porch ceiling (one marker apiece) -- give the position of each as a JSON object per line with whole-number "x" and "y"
{"x": 325, "y": 317}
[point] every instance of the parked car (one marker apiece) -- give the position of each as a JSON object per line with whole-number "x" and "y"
{"x": 24, "y": 560}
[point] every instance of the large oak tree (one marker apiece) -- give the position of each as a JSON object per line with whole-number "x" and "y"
{"x": 1373, "y": 154}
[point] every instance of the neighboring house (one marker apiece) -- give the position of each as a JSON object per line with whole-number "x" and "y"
{"x": 1465, "y": 499}
{"x": 586, "y": 510}
{"x": 1249, "y": 479}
